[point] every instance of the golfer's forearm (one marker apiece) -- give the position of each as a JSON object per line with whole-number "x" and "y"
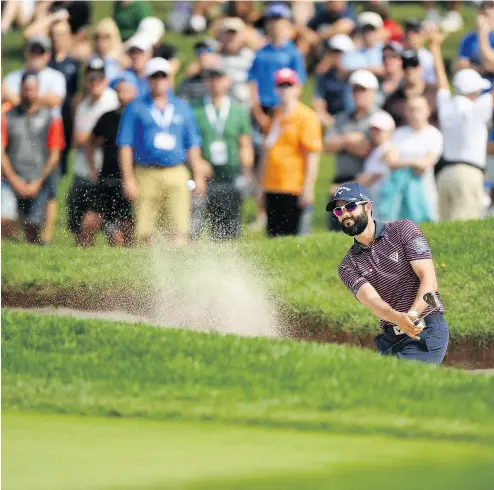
{"x": 384, "y": 311}
{"x": 427, "y": 285}
{"x": 126, "y": 163}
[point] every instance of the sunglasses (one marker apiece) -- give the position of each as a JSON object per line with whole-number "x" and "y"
{"x": 350, "y": 207}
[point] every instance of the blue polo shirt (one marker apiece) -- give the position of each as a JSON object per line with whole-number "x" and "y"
{"x": 469, "y": 48}
{"x": 142, "y": 84}
{"x": 267, "y": 62}
{"x": 140, "y": 129}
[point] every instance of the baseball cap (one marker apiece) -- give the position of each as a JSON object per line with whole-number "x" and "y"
{"x": 410, "y": 57}
{"x": 124, "y": 76}
{"x": 285, "y": 75}
{"x": 95, "y": 64}
{"x": 393, "y": 46}
{"x": 151, "y": 27}
{"x": 277, "y": 10}
{"x": 42, "y": 41}
{"x": 468, "y": 81}
{"x": 235, "y": 24}
{"x": 139, "y": 41}
{"x": 364, "y": 78}
{"x": 340, "y": 42}
{"x": 413, "y": 25}
{"x": 349, "y": 192}
{"x": 157, "y": 65}
{"x": 382, "y": 120}
{"x": 370, "y": 19}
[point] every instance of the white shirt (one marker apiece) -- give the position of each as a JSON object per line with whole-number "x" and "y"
{"x": 374, "y": 165}
{"x": 49, "y": 80}
{"x": 87, "y": 115}
{"x": 427, "y": 63}
{"x": 464, "y": 124}
{"x": 413, "y": 145}
{"x": 237, "y": 67}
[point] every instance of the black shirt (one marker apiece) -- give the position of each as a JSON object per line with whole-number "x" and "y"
{"x": 79, "y": 13}
{"x": 70, "y": 69}
{"x": 107, "y": 128}
{"x": 165, "y": 50}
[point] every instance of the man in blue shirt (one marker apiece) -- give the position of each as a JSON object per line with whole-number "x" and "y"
{"x": 157, "y": 136}
{"x": 278, "y": 53}
{"x": 469, "y": 50}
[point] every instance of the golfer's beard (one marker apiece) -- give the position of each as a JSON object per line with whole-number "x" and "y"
{"x": 359, "y": 225}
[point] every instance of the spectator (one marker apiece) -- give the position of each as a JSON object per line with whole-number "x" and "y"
{"x": 114, "y": 209}
{"x": 475, "y": 46}
{"x": 17, "y": 13}
{"x": 335, "y": 17}
{"x": 331, "y": 87}
{"x": 415, "y": 40}
{"x": 194, "y": 88}
{"x": 452, "y": 21}
{"x": 464, "y": 120}
{"x": 393, "y": 72}
{"x": 155, "y": 29}
{"x": 26, "y": 167}
{"x": 236, "y": 58}
{"x": 157, "y": 135}
{"x": 348, "y": 137}
{"x": 83, "y": 220}
{"x": 128, "y": 14}
{"x": 70, "y": 68}
{"x": 381, "y": 130}
{"x": 412, "y": 86}
{"x": 52, "y": 88}
{"x": 410, "y": 192}
{"x": 290, "y": 160}
{"x": 391, "y": 31}
{"x": 368, "y": 52}
{"x": 51, "y": 93}
{"x": 108, "y": 46}
{"x": 139, "y": 49}
{"x": 77, "y": 14}
{"x": 225, "y": 129}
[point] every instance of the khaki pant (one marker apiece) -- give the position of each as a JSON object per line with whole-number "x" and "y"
{"x": 461, "y": 192}
{"x": 164, "y": 201}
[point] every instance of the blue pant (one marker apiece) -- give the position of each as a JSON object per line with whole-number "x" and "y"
{"x": 431, "y": 347}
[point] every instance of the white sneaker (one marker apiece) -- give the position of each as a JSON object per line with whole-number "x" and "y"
{"x": 452, "y": 22}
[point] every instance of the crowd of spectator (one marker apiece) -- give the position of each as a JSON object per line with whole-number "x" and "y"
{"x": 153, "y": 155}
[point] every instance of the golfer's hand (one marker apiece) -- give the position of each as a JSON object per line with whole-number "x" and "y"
{"x": 406, "y": 325}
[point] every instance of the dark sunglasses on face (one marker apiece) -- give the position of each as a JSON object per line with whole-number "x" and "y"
{"x": 158, "y": 75}
{"x": 411, "y": 64}
{"x": 37, "y": 50}
{"x": 350, "y": 207}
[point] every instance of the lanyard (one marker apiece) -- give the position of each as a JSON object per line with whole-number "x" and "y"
{"x": 163, "y": 119}
{"x": 274, "y": 133}
{"x": 217, "y": 121}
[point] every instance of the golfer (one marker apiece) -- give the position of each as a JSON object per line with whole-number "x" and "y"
{"x": 389, "y": 268}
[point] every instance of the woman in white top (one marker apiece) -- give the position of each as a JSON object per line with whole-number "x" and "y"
{"x": 464, "y": 119}
{"x": 415, "y": 148}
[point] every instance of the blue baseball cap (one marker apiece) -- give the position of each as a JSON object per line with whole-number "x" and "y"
{"x": 277, "y": 10}
{"x": 349, "y": 192}
{"x": 124, "y": 76}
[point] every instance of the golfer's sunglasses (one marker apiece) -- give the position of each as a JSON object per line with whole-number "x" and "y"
{"x": 350, "y": 207}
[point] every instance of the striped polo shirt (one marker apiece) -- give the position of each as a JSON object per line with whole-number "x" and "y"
{"x": 386, "y": 265}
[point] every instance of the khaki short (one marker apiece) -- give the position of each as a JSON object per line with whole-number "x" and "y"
{"x": 461, "y": 192}
{"x": 164, "y": 201}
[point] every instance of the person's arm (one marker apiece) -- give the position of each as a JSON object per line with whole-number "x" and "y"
{"x": 367, "y": 179}
{"x": 486, "y": 52}
{"x": 357, "y": 144}
{"x": 366, "y": 294}
{"x": 41, "y": 25}
{"x": 424, "y": 269}
{"x": 50, "y": 100}
{"x": 312, "y": 159}
{"x": 246, "y": 155}
{"x": 9, "y": 96}
{"x": 55, "y": 144}
{"x": 341, "y": 26}
{"x": 490, "y": 148}
{"x": 436, "y": 38}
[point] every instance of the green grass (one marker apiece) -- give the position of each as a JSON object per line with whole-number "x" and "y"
{"x": 61, "y": 452}
{"x": 97, "y": 368}
{"x": 300, "y": 272}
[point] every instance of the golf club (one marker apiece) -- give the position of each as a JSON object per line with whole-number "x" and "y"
{"x": 431, "y": 300}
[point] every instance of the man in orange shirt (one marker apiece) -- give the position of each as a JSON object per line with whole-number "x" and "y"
{"x": 290, "y": 159}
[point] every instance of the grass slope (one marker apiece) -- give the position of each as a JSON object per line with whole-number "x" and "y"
{"x": 50, "y": 452}
{"x": 300, "y": 272}
{"x": 63, "y": 365}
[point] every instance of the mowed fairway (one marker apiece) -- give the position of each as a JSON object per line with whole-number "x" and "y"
{"x": 60, "y": 452}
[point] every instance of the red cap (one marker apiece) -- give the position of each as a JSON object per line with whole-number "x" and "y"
{"x": 286, "y": 75}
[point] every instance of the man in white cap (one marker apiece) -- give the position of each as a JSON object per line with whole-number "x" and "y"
{"x": 139, "y": 48}
{"x": 331, "y": 88}
{"x": 464, "y": 119}
{"x": 369, "y": 55}
{"x": 157, "y": 136}
{"x": 348, "y": 138}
